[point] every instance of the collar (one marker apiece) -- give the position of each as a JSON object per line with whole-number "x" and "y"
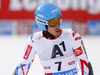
{"x": 49, "y": 36}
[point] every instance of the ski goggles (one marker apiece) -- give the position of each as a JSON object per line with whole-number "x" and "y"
{"x": 55, "y": 22}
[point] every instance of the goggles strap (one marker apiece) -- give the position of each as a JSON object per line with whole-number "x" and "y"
{"x": 41, "y": 21}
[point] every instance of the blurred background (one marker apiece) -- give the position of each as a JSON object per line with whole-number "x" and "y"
{"x": 17, "y": 24}
{"x": 17, "y": 16}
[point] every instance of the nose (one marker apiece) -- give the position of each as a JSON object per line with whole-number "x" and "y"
{"x": 58, "y": 26}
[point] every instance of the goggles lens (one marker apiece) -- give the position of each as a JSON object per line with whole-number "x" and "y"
{"x": 53, "y": 22}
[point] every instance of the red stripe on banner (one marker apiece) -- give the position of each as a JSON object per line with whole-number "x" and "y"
{"x": 21, "y": 10}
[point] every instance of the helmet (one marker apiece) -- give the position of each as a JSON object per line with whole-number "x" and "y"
{"x": 45, "y": 12}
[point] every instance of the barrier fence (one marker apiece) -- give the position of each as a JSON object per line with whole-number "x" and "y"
{"x": 28, "y": 27}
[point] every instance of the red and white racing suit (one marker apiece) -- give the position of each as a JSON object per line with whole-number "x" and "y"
{"x": 58, "y": 56}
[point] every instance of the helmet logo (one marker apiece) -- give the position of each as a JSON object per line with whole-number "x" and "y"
{"x": 40, "y": 15}
{"x": 41, "y": 21}
{"x": 55, "y": 10}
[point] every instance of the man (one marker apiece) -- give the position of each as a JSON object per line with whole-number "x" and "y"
{"x": 58, "y": 49}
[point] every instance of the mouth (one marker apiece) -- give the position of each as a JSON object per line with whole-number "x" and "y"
{"x": 58, "y": 30}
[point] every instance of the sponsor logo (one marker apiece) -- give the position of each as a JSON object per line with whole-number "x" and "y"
{"x": 54, "y": 10}
{"x": 91, "y": 6}
{"x": 41, "y": 15}
{"x": 39, "y": 37}
{"x": 41, "y": 21}
{"x": 47, "y": 67}
{"x": 28, "y": 51}
{"x": 69, "y": 72}
{"x": 78, "y": 51}
{"x": 72, "y": 62}
{"x": 72, "y": 72}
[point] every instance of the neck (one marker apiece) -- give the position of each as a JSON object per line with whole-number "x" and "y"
{"x": 48, "y": 35}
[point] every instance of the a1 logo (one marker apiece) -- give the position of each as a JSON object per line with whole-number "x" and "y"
{"x": 57, "y": 51}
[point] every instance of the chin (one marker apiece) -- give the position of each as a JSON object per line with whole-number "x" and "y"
{"x": 58, "y": 34}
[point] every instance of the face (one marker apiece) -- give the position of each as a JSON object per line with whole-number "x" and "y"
{"x": 55, "y": 31}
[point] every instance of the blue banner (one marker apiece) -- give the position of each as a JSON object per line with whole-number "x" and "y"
{"x": 94, "y": 28}
{"x": 67, "y": 24}
{"x": 35, "y": 27}
{"x": 6, "y": 28}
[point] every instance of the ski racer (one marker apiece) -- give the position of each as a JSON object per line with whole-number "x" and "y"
{"x": 58, "y": 49}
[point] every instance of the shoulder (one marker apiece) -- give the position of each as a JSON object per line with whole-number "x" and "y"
{"x": 76, "y": 36}
{"x": 67, "y": 32}
{"x": 71, "y": 33}
{"x": 36, "y": 36}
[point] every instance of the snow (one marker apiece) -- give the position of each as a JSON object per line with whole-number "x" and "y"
{"x": 12, "y": 48}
